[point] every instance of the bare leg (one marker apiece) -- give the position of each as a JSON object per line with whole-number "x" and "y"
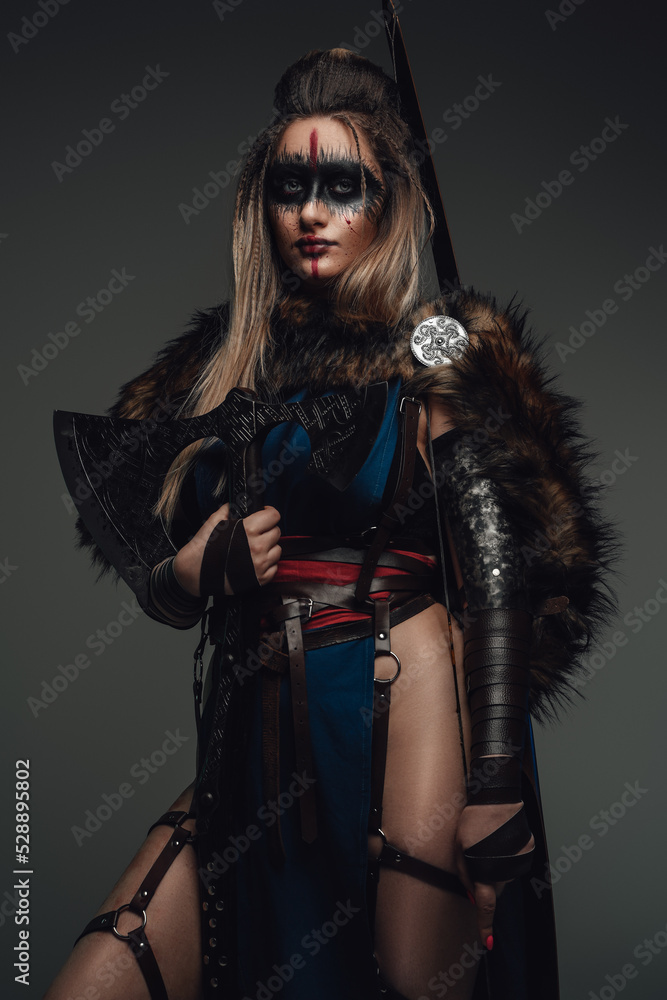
{"x": 425, "y": 937}
{"x": 103, "y": 961}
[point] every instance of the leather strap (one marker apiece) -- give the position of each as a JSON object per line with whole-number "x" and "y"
{"x": 332, "y": 634}
{"x": 393, "y": 857}
{"x": 340, "y": 595}
{"x": 275, "y": 664}
{"x": 227, "y": 553}
{"x": 136, "y": 938}
{"x": 494, "y": 859}
{"x": 169, "y": 601}
{"x": 303, "y": 747}
{"x": 410, "y": 409}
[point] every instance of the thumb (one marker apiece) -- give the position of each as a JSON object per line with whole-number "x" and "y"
{"x": 485, "y": 901}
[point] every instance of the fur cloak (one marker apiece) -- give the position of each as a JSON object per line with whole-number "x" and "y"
{"x": 533, "y": 450}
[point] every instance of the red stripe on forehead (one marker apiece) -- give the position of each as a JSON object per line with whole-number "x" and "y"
{"x": 313, "y": 150}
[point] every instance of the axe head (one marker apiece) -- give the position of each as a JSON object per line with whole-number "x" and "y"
{"x": 115, "y": 468}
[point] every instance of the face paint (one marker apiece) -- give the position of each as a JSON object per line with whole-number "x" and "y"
{"x": 332, "y": 179}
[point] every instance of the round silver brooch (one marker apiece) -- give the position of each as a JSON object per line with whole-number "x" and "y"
{"x": 438, "y": 340}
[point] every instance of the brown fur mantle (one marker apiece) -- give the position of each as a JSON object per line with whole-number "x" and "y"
{"x": 532, "y": 449}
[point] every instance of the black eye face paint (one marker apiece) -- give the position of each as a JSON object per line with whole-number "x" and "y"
{"x": 333, "y": 179}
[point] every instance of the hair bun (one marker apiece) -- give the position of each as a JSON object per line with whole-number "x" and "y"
{"x": 328, "y": 80}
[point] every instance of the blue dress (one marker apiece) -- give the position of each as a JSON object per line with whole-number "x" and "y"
{"x": 303, "y": 929}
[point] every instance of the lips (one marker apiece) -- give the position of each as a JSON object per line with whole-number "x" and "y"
{"x": 313, "y": 242}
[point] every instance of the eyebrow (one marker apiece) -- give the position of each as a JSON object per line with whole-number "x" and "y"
{"x": 286, "y": 158}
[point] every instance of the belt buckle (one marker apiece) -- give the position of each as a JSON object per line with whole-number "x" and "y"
{"x": 411, "y": 399}
{"x": 310, "y": 607}
{"x": 365, "y": 540}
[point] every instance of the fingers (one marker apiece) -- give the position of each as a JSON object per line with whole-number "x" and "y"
{"x": 485, "y": 903}
{"x": 262, "y": 530}
{"x": 263, "y": 534}
{"x": 261, "y": 521}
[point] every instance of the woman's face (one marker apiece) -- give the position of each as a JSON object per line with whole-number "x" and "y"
{"x": 319, "y": 220}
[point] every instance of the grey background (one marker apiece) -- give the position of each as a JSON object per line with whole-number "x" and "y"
{"x": 120, "y": 209}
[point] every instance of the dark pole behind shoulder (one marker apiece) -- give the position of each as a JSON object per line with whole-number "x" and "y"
{"x": 443, "y": 251}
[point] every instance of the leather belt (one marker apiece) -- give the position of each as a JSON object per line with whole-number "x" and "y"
{"x": 282, "y": 650}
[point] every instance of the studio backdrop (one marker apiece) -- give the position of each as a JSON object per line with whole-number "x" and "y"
{"x": 124, "y": 128}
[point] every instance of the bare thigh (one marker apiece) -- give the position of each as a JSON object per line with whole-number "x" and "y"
{"x": 421, "y": 931}
{"x": 103, "y": 961}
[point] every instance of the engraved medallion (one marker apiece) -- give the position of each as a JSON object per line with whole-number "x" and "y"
{"x": 438, "y": 340}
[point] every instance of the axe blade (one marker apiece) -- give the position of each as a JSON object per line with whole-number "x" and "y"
{"x": 114, "y": 467}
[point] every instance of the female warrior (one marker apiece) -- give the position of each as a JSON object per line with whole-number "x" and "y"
{"x": 333, "y": 846}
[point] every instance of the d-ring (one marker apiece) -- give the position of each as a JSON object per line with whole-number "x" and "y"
{"x": 114, "y": 928}
{"x": 388, "y": 680}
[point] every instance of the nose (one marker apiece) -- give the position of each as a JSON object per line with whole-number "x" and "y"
{"x": 313, "y": 213}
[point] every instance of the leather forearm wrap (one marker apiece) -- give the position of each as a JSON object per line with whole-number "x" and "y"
{"x": 171, "y": 603}
{"x": 496, "y": 665}
{"x": 497, "y": 622}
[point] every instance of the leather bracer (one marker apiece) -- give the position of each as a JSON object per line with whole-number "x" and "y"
{"x": 169, "y": 602}
{"x": 497, "y": 636}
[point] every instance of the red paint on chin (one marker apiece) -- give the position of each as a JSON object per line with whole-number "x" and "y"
{"x": 313, "y": 150}
{"x": 313, "y": 267}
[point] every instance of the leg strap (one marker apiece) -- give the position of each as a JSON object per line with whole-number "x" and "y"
{"x": 391, "y": 856}
{"x": 136, "y": 938}
{"x": 394, "y": 857}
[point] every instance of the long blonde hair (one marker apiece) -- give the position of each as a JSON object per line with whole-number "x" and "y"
{"x": 385, "y": 281}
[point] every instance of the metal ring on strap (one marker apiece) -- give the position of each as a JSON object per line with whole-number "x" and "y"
{"x": 388, "y": 680}
{"x": 114, "y": 928}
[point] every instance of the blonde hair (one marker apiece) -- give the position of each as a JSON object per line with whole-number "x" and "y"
{"x": 383, "y": 283}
